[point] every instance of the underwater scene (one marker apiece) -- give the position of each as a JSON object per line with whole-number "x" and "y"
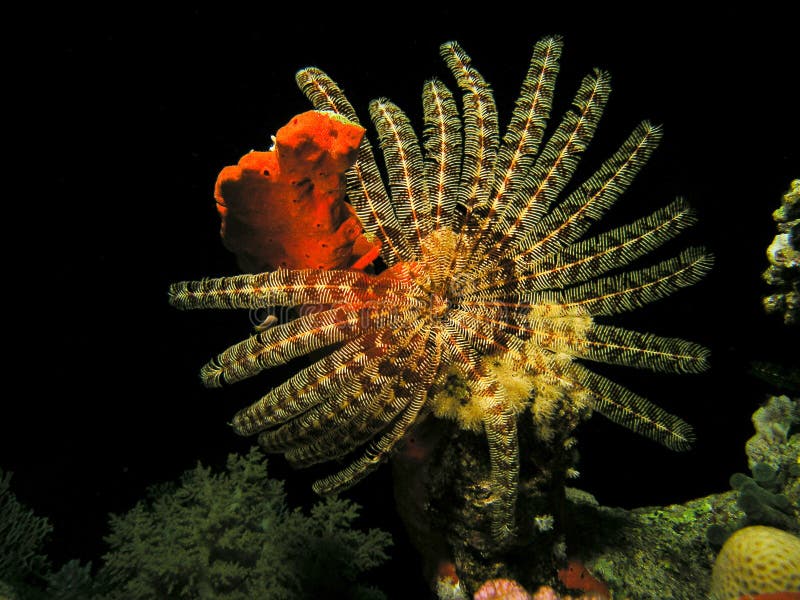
{"x": 450, "y": 308}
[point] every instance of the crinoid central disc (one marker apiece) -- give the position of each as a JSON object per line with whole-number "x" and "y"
{"x": 439, "y": 305}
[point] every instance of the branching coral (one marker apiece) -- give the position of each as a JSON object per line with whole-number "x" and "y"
{"x": 231, "y": 536}
{"x": 24, "y": 568}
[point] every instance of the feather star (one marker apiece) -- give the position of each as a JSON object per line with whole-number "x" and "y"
{"x": 489, "y": 278}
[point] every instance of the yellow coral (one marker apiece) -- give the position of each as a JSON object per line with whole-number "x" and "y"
{"x": 455, "y": 400}
{"x": 756, "y": 560}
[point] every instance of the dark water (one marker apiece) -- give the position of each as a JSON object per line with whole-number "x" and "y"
{"x": 131, "y": 120}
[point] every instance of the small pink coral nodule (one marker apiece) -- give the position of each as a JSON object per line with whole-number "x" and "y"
{"x": 545, "y": 593}
{"x": 501, "y": 589}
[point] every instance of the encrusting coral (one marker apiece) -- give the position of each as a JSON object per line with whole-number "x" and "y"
{"x": 756, "y": 560}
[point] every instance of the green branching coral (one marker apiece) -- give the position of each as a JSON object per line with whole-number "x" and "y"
{"x": 22, "y": 535}
{"x": 231, "y": 536}
{"x": 73, "y": 581}
{"x": 25, "y": 571}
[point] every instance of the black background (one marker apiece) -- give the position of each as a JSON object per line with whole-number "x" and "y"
{"x": 122, "y": 120}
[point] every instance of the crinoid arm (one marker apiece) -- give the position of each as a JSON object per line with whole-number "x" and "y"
{"x": 365, "y": 187}
{"x": 279, "y": 288}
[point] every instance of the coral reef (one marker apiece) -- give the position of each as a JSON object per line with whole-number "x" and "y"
{"x": 490, "y": 292}
{"x": 657, "y": 553}
{"x": 649, "y": 553}
{"x": 756, "y": 560}
{"x": 231, "y": 536}
{"x": 772, "y": 495}
{"x": 224, "y": 536}
{"x": 783, "y": 254}
{"x": 654, "y": 553}
{"x": 285, "y": 207}
{"x": 488, "y": 296}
